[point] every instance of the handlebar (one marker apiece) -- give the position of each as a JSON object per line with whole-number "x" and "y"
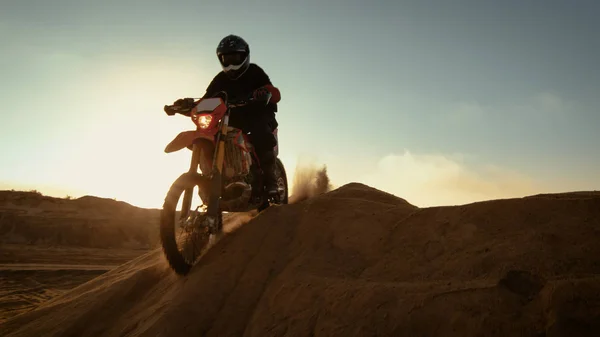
{"x": 231, "y": 103}
{"x": 175, "y": 109}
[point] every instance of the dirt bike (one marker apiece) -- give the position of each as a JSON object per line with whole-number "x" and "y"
{"x": 230, "y": 180}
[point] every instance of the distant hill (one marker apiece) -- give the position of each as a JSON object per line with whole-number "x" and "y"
{"x": 32, "y": 218}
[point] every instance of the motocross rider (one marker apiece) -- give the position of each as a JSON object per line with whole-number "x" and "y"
{"x": 240, "y": 78}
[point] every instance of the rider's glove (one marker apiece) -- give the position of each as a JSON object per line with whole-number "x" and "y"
{"x": 185, "y": 103}
{"x": 262, "y": 94}
{"x": 169, "y": 111}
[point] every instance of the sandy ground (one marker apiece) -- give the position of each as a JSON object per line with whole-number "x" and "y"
{"x": 359, "y": 262}
{"x": 56, "y": 267}
{"x": 51, "y": 245}
{"x": 31, "y": 275}
{"x": 30, "y": 254}
{"x": 24, "y": 290}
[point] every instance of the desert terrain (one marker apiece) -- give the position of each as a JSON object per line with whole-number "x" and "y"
{"x": 51, "y": 245}
{"x": 354, "y": 261}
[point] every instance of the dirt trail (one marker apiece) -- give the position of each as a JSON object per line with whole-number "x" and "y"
{"x": 359, "y": 262}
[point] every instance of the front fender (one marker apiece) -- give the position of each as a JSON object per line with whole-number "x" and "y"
{"x": 185, "y": 139}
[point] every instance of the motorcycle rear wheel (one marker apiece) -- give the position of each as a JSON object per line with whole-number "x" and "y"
{"x": 282, "y": 182}
{"x": 179, "y": 260}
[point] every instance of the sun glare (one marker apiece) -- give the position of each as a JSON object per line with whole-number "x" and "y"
{"x": 121, "y": 153}
{"x": 122, "y": 156}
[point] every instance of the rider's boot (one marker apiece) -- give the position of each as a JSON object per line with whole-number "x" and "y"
{"x": 268, "y": 166}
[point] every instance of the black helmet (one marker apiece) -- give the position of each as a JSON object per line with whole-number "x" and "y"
{"x": 234, "y": 55}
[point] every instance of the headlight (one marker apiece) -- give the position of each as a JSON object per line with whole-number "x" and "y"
{"x": 204, "y": 121}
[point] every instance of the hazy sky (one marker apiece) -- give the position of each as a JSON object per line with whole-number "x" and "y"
{"x": 438, "y": 102}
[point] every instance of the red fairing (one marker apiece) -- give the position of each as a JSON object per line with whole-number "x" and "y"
{"x": 186, "y": 138}
{"x": 276, "y": 95}
{"x": 216, "y": 109}
{"x": 216, "y": 114}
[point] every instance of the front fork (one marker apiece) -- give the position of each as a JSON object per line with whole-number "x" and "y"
{"x": 213, "y": 209}
{"x": 189, "y": 192}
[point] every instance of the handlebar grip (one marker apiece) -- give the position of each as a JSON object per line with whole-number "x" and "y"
{"x": 174, "y": 109}
{"x": 169, "y": 110}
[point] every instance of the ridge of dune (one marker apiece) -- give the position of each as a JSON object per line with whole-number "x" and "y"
{"x": 360, "y": 262}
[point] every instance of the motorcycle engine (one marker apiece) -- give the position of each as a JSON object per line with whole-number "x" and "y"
{"x": 237, "y": 158}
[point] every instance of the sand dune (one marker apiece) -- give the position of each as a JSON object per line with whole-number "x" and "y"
{"x": 359, "y": 262}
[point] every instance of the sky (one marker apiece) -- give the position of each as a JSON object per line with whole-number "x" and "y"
{"x": 438, "y": 102}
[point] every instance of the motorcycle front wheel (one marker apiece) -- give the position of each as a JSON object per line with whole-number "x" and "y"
{"x": 183, "y": 250}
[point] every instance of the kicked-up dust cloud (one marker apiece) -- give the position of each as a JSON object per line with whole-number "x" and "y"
{"x": 309, "y": 180}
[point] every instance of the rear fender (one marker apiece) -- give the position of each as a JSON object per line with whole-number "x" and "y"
{"x": 186, "y": 139}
